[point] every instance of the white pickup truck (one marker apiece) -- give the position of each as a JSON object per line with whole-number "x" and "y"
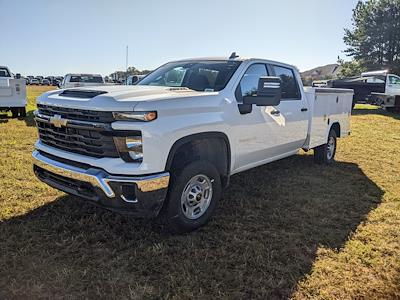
{"x": 12, "y": 93}
{"x": 171, "y": 143}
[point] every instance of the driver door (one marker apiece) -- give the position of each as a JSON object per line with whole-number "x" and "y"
{"x": 258, "y": 136}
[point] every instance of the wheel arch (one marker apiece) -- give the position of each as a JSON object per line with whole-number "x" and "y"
{"x": 210, "y": 146}
{"x": 336, "y": 127}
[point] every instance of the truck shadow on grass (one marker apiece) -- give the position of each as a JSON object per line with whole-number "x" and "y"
{"x": 261, "y": 242}
{"x": 378, "y": 111}
{"x": 30, "y": 118}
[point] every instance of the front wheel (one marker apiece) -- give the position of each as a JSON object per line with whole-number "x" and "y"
{"x": 194, "y": 193}
{"x": 325, "y": 154}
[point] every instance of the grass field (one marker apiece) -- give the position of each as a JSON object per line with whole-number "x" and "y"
{"x": 290, "y": 229}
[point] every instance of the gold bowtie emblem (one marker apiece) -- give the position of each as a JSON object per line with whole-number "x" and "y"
{"x": 58, "y": 121}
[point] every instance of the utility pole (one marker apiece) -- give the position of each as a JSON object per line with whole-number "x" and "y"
{"x": 126, "y": 62}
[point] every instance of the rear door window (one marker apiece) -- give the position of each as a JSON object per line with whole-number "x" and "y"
{"x": 290, "y": 87}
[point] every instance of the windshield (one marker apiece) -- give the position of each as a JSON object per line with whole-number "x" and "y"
{"x": 86, "y": 78}
{"x": 196, "y": 75}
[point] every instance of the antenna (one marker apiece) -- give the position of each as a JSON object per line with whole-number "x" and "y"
{"x": 233, "y": 55}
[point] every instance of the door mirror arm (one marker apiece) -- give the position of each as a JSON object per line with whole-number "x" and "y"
{"x": 243, "y": 108}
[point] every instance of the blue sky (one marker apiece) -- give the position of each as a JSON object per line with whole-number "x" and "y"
{"x": 48, "y": 37}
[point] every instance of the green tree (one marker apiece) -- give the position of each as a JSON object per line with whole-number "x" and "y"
{"x": 374, "y": 39}
{"x": 134, "y": 71}
{"x": 350, "y": 68}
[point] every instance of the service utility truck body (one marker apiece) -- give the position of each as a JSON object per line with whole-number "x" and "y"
{"x": 171, "y": 143}
{"x": 12, "y": 93}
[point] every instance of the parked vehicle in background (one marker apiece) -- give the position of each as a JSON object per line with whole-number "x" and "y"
{"x": 56, "y": 82}
{"x": 12, "y": 93}
{"x": 45, "y": 81}
{"x": 34, "y": 81}
{"x": 133, "y": 79}
{"x": 50, "y": 79}
{"x": 376, "y": 87}
{"x": 81, "y": 80}
{"x": 40, "y": 78}
{"x": 175, "y": 139}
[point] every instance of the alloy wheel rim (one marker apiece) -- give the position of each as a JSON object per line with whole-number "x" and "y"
{"x": 331, "y": 147}
{"x": 196, "y": 196}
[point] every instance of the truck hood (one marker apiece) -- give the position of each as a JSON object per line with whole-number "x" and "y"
{"x": 116, "y": 98}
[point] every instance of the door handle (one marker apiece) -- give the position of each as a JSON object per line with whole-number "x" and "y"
{"x": 304, "y": 109}
{"x": 275, "y": 112}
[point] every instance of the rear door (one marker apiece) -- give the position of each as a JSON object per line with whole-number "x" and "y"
{"x": 292, "y": 114}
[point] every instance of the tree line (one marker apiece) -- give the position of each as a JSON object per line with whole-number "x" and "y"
{"x": 373, "y": 42}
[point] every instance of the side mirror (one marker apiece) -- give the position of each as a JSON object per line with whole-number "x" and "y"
{"x": 269, "y": 92}
{"x": 18, "y": 76}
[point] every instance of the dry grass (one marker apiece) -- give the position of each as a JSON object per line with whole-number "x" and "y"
{"x": 287, "y": 229}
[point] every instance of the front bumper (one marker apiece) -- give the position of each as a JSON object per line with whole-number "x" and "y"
{"x": 141, "y": 196}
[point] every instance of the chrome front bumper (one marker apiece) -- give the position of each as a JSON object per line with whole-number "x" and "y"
{"x": 149, "y": 193}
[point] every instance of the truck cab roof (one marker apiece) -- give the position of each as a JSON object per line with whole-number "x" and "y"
{"x": 239, "y": 58}
{"x": 375, "y": 73}
{"x": 81, "y": 74}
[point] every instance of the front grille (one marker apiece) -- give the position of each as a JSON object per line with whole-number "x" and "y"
{"x": 76, "y": 114}
{"x": 83, "y": 139}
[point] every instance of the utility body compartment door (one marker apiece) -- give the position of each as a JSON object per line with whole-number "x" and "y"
{"x": 327, "y": 106}
{"x": 13, "y": 93}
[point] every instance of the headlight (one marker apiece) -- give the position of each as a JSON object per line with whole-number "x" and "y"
{"x": 130, "y": 148}
{"x": 144, "y": 116}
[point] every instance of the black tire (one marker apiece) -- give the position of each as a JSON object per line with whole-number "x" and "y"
{"x": 354, "y": 103}
{"x": 173, "y": 211}
{"x": 14, "y": 112}
{"x": 22, "y": 112}
{"x": 323, "y": 154}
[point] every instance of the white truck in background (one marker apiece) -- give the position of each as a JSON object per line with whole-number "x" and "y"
{"x": 376, "y": 87}
{"x": 389, "y": 98}
{"x": 134, "y": 79}
{"x": 171, "y": 143}
{"x": 12, "y": 93}
{"x": 81, "y": 80}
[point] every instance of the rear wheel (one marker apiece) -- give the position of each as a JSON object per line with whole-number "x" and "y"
{"x": 194, "y": 193}
{"x": 325, "y": 154}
